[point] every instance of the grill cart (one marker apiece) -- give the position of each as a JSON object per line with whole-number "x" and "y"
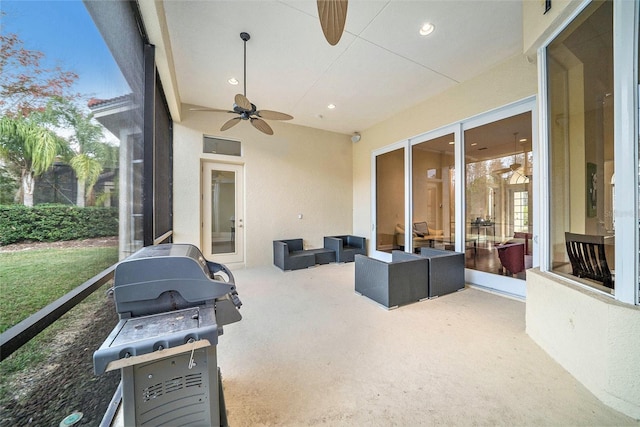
{"x": 172, "y": 305}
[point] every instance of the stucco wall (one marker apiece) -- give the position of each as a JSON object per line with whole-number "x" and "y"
{"x": 592, "y": 336}
{"x": 298, "y": 170}
{"x": 510, "y": 81}
{"x": 537, "y": 26}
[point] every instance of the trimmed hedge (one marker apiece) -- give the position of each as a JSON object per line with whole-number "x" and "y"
{"x": 52, "y": 223}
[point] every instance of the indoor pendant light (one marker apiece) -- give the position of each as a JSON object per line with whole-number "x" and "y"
{"x": 515, "y": 165}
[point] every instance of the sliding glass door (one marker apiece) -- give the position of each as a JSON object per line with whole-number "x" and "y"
{"x": 499, "y": 198}
{"x": 433, "y": 193}
{"x": 418, "y": 203}
{"x": 389, "y": 200}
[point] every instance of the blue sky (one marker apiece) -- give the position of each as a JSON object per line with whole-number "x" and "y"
{"x": 65, "y": 33}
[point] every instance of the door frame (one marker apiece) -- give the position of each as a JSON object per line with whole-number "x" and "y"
{"x": 237, "y": 257}
{"x": 505, "y": 284}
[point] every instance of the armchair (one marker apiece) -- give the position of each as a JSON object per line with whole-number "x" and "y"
{"x": 587, "y": 256}
{"x": 512, "y": 257}
{"x": 290, "y": 255}
{"x": 403, "y": 280}
{"x": 346, "y": 247}
{"x": 446, "y": 271}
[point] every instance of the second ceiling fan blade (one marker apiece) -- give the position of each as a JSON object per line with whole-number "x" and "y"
{"x": 217, "y": 110}
{"x": 230, "y": 123}
{"x": 333, "y": 16}
{"x": 243, "y": 102}
{"x": 262, "y": 126}
{"x": 273, "y": 115}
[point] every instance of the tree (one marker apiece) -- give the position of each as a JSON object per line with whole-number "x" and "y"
{"x": 88, "y": 153}
{"x": 29, "y": 147}
{"x": 9, "y": 184}
{"x": 25, "y": 84}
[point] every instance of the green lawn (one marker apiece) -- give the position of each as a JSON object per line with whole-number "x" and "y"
{"x": 29, "y": 280}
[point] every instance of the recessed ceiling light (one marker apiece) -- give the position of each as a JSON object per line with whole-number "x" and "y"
{"x": 233, "y": 81}
{"x": 427, "y": 29}
{"x": 452, "y": 142}
{"x": 331, "y": 106}
{"x": 473, "y": 144}
{"x": 523, "y": 140}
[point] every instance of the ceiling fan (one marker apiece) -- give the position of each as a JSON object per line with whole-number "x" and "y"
{"x": 245, "y": 109}
{"x": 514, "y": 166}
{"x": 333, "y": 16}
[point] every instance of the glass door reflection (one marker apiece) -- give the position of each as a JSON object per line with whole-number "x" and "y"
{"x": 390, "y": 202}
{"x": 223, "y": 215}
{"x": 432, "y": 174}
{"x": 499, "y": 195}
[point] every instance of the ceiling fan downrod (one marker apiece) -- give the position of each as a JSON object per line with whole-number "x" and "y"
{"x": 245, "y": 37}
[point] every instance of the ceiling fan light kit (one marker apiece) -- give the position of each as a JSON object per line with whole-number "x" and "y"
{"x": 245, "y": 109}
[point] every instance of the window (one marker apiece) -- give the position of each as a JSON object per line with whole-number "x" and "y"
{"x": 213, "y": 145}
{"x": 101, "y": 43}
{"x": 581, "y": 140}
{"x": 433, "y": 167}
{"x": 521, "y": 211}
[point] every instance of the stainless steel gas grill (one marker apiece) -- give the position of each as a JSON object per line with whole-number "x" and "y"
{"x": 172, "y": 305}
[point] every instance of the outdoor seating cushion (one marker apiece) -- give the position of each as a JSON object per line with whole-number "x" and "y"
{"x": 289, "y": 255}
{"x": 402, "y": 281}
{"x": 346, "y": 246}
{"x": 446, "y": 271}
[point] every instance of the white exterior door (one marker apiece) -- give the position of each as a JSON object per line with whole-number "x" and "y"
{"x": 223, "y": 212}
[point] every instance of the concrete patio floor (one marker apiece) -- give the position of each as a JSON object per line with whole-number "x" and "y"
{"x": 310, "y": 351}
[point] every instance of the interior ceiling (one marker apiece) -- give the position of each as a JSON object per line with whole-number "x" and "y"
{"x": 501, "y": 138}
{"x": 381, "y": 66}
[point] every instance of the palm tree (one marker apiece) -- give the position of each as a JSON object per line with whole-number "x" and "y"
{"x": 30, "y": 147}
{"x": 88, "y": 153}
{"x": 87, "y": 171}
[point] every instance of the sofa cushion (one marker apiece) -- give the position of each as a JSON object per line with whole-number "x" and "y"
{"x": 421, "y": 228}
{"x": 300, "y": 253}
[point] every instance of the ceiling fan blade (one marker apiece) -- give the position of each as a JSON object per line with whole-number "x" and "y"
{"x": 501, "y": 171}
{"x": 243, "y": 102}
{"x": 333, "y": 16}
{"x": 273, "y": 115}
{"x": 218, "y": 110}
{"x": 262, "y": 126}
{"x": 230, "y": 123}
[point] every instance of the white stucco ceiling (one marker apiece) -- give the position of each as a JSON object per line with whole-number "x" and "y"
{"x": 380, "y": 67}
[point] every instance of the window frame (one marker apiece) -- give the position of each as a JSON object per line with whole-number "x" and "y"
{"x": 625, "y": 59}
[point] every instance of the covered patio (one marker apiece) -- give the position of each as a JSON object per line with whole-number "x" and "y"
{"x": 310, "y": 351}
